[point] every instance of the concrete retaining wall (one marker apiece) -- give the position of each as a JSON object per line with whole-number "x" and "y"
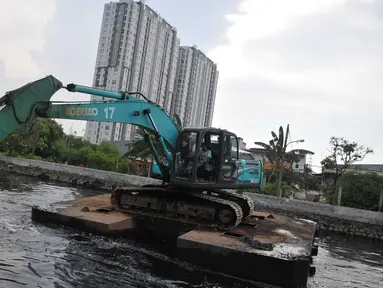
{"x": 73, "y": 175}
{"x": 350, "y": 221}
{"x": 333, "y": 218}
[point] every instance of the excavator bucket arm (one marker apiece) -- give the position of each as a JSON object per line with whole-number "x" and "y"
{"x": 17, "y": 106}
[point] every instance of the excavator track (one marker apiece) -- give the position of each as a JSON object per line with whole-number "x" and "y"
{"x": 245, "y": 202}
{"x": 189, "y": 207}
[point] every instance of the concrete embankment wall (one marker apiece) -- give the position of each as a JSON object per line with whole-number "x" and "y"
{"x": 333, "y": 218}
{"x": 347, "y": 220}
{"x": 73, "y": 175}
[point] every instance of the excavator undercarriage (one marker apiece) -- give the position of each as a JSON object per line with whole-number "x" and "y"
{"x": 218, "y": 209}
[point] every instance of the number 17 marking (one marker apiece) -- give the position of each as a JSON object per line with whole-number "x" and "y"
{"x": 109, "y": 111}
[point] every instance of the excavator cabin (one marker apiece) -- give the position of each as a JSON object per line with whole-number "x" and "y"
{"x": 205, "y": 158}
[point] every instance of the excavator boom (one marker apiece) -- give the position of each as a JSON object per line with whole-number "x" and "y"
{"x": 127, "y": 111}
{"x": 188, "y": 199}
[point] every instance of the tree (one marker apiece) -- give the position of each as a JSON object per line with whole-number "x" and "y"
{"x": 276, "y": 154}
{"x": 361, "y": 190}
{"x": 45, "y": 139}
{"x": 343, "y": 154}
{"x": 38, "y": 137}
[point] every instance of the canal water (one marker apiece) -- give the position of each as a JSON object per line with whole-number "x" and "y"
{"x": 33, "y": 255}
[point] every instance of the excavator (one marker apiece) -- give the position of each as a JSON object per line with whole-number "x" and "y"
{"x": 196, "y": 189}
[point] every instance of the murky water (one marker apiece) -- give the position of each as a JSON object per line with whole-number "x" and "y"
{"x": 33, "y": 255}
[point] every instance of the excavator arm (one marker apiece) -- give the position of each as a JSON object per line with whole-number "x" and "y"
{"x": 33, "y": 100}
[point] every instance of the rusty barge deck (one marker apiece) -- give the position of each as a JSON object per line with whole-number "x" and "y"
{"x": 266, "y": 248}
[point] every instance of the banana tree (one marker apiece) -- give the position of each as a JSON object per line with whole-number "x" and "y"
{"x": 276, "y": 153}
{"x": 269, "y": 156}
{"x": 275, "y": 150}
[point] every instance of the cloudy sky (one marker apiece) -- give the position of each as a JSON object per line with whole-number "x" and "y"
{"x": 316, "y": 65}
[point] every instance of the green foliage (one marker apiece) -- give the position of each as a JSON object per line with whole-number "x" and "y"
{"x": 304, "y": 180}
{"x": 38, "y": 137}
{"x": 276, "y": 154}
{"x": 343, "y": 154}
{"x": 270, "y": 189}
{"x": 359, "y": 190}
{"x": 140, "y": 149}
{"x": 44, "y": 139}
{"x": 30, "y": 156}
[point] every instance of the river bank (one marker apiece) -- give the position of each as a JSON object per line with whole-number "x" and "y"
{"x": 72, "y": 175}
{"x": 345, "y": 220}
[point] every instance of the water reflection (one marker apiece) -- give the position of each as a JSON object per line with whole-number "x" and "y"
{"x": 356, "y": 249}
{"x": 102, "y": 262}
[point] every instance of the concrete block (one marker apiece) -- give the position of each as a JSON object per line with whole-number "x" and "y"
{"x": 90, "y": 214}
{"x": 290, "y": 259}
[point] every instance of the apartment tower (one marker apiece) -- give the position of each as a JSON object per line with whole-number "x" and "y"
{"x": 195, "y": 88}
{"x": 137, "y": 51}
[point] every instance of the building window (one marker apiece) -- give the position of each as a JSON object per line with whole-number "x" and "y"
{"x": 106, "y": 127}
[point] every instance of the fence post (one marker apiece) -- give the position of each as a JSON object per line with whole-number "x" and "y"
{"x": 339, "y": 195}
{"x": 380, "y": 200}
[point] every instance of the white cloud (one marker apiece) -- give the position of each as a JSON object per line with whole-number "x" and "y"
{"x": 314, "y": 64}
{"x": 259, "y": 18}
{"x": 22, "y": 26}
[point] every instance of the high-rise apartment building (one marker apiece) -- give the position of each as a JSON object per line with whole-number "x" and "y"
{"x": 137, "y": 51}
{"x": 195, "y": 88}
